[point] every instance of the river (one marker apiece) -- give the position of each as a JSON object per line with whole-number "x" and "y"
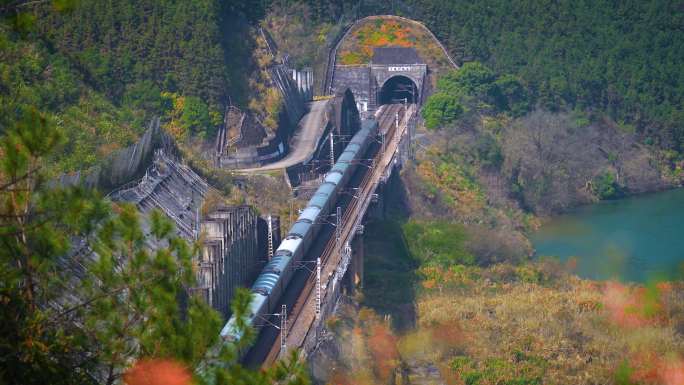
{"x": 637, "y": 239}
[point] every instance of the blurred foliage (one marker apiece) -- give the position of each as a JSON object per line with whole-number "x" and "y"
{"x": 534, "y": 323}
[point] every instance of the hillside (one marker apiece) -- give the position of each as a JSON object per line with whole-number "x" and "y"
{"x": 125, "y": 47}
{"x": 101, "y": 71}
{"x": 625, "y": 68}
{"x": 34, "y": 78}
{"x": 618, "y": 58}
{"x": 357, "y": 46}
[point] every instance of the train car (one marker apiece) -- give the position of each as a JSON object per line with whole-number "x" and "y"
{"x": 310, "y": 215}
{"x": 341, "y": 170}
{"x": 257, "y": 307}
{"x": 368, "y": 132}
{"x": 290, "y": 250}
{"x": 329, "y": 192}
{"x": 281, "y": 266}
{"x": 348, "y": 157}
{"x": 302, "y": 229}
{"x": 276, "y": 275}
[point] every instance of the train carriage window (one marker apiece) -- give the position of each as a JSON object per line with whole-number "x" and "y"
{"x": 282, "y": 253}
{"x": 272, "y": 270}
{"x": 261, "y": 291}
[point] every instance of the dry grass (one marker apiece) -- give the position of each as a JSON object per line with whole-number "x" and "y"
{"x": 529, "y": 324}
{"x": 578, "y": 332}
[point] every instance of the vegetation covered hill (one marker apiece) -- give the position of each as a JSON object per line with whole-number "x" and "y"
{"x": 36, "y": 78}
{"x": 488, "y": 138}
{"x": 618, "y": 60}
{"x": 357, "y": 47}
{"x": 130, "y": 49}
{"x": 102, "y": 70}
{"x": 621, "y": 58}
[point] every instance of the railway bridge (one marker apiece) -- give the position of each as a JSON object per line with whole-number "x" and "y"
{"x": 389, "y": 90}
{"x": 312, "y": 295}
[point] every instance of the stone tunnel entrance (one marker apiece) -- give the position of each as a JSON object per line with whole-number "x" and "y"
{"x": 396, "y": 89}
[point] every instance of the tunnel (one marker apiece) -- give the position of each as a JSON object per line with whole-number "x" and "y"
{"x": 398, "y": 88}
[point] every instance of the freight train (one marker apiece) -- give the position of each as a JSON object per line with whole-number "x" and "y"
{"x": 276, "y": 275}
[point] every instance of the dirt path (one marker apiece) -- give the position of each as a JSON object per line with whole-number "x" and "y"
{"x": 309, "y": 131}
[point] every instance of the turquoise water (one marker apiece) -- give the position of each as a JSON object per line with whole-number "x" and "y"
{"x": 636, "y": 239}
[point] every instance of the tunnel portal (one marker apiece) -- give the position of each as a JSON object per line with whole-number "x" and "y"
{"x": 394, "y": 74}
{"x": 398, "y": 89}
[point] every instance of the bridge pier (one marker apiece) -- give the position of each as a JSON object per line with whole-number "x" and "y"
{"x": 353, "y": 278}
{"x": 357, "y": 261}
{"x": 377, "y": 209}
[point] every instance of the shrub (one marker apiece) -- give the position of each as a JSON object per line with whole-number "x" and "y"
{"x": 488, "y": 151}
{"x": 472, "y": 378}
{"x": 195, "y": 116}
{"x": 473, "y": 78}
{"x": 441, "y": 243}
{"x": 460, "y": 362}
{"x": 605, "y": 186}
{"x": 510, "y": 95}
{"x": 441, "y": 109}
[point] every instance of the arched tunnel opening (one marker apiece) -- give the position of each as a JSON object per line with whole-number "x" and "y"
{"x": 397, "y": 89}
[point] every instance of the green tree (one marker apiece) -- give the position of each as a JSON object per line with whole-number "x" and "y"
{"x": 606, "y": 186}
{"x": 38, "y": 343}
{"x": 510, "y": 95}
{"x": 472, "y": 78}
{"x": 488, "y": 151}
{"x": 437, "y": 243}
{"x": 136, "y": 293}
{"x": 195, "y": 117}
{"x": 441, "y": 109}
{"x": 146, "y": 96}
